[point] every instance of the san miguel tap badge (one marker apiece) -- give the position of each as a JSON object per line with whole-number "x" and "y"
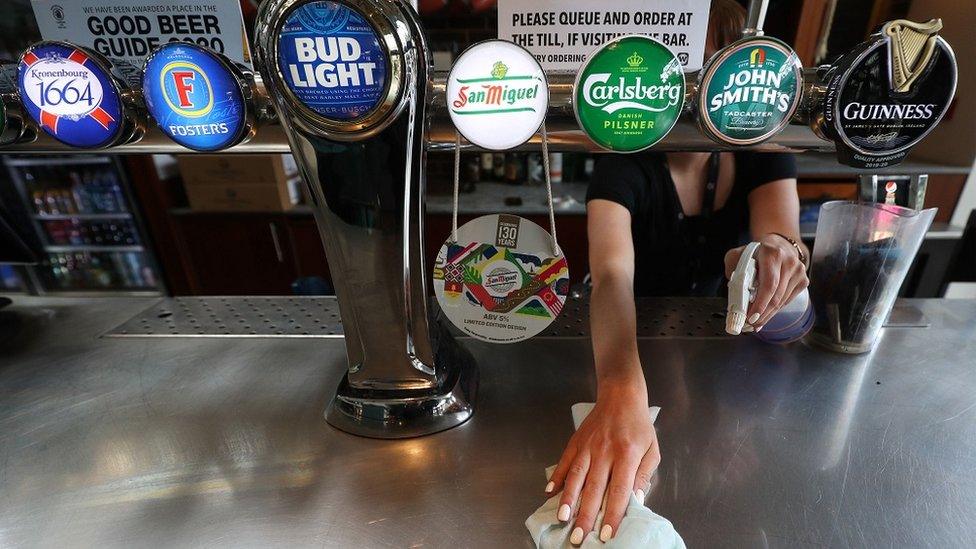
{"x": 500, "y": 281}
{"x": 887, "y": 94}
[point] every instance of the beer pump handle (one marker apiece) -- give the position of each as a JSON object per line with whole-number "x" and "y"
{"x": 755, "y": 18}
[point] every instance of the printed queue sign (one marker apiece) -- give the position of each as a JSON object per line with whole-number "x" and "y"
{"x": 749, "y": 91}
{"x": 497, "y": 95}
{"x": 497, "y": 283}
{"x": 195, "y": 96}
{"x": 332, "y": 60}
{"x": 70, "y": 94}
{"x": 887, "y": 94}
{"x": 629, "y": 94}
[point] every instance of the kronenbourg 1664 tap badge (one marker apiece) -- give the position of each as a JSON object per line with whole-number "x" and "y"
{"x": 195, "y": 97}
{"x": 70, "y": 94}
{"x": 332, "y": 60}
{"x": 500, "y": 282}
{"x": 749, "y": 91}
{"x": 629, "y": 94}
{"x": 497, "y": 95}
{"x": 887, "y": 94}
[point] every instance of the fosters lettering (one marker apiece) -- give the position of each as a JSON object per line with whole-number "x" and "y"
{"x": 629, "y": 94}
{"x": 195, "y": 96}
{"x": 332, "y": 61}
{"x": 749, "y": 91}
{"x": 887, "y": 94}
{"x": 498, "y": 95}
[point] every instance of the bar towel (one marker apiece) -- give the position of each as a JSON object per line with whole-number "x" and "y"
{"x": 640, "y": 526}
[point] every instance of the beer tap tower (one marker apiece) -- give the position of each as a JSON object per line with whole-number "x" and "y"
{"x": 364, "y": 167}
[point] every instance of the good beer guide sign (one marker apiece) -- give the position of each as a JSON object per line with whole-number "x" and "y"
{"x": 130, "y": 29}
{"x": 561, "y": 33}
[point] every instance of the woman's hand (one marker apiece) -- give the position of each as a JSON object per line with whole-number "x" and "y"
{"x": 780, "y": 276}
{"x": 614, "y": 452}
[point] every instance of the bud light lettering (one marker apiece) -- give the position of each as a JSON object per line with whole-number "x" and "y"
{"x": 332, "y": 60}
{"x": 340, "y": 67}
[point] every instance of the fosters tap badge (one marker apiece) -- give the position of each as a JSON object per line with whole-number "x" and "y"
{"x": 887, "y": 94}
{"x": 500, "y": 281}
{"x": 196, "y": 97}
{"x": 628, "y": 95}
{"x": 332, "y": 60}
{"x": 749, "y": 91}
{"x": 497, "y": 95}
{"x": 70, "y": 94}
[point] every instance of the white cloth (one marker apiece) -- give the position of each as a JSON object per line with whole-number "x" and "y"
{"x": 640, "y": 526}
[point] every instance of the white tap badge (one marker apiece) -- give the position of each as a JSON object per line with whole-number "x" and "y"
{"x": 497, "y": 95}
{"x": 561, "y": 33}
{"x": 131, "y": 29}
{"x": 500, "y": 282}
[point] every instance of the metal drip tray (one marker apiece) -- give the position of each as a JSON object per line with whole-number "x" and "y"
{"x": 319, "y": 317}
{"x": 663, "y": 317}
{"x": 235, "y": 317}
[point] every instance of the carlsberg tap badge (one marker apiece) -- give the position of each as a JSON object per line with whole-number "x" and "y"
{"x": 629, "y": 94}
{"x": 749, "y": 91}
{"x": 497, "y": 95}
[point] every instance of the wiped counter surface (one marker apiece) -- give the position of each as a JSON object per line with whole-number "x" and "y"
{"x": 221, "y": 442}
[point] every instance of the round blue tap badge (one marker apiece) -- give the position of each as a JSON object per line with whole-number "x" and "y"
{"x": 332, "y": 60}
{"x": 69, "y": 95}
{"x": 195, "y": 97}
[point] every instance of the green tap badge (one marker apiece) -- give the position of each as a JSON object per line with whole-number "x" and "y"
{"x": 628, "y": 95}
{"x": 748, "y": 91}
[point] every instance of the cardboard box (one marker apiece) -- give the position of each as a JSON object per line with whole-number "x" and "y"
{"x": 239, "y": 182}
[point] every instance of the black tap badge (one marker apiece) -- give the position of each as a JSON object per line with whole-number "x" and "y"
{"x": 887, "y": 94}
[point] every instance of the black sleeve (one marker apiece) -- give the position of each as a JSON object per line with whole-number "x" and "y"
{"x": 619, "y": 179}
{"x": 757, "y": 169}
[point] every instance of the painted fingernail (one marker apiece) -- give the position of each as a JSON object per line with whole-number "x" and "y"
{"x": 550, "y": 486}
{"x": 564, "y": 512}
{"x": 640, "y": 495}
{"x": 753, "y": 318}
{"x": 606, "y": 533}
{"x": 577, "y": 537}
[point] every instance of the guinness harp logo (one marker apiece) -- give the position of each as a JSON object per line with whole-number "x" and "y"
{"x": 911, "y": 46}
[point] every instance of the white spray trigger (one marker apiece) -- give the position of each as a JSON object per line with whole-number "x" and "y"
{"x": 741, "y": 286}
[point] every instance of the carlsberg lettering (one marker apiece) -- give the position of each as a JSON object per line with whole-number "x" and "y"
{"x": 330, "y": 62}
{"x": 623, "y": 95}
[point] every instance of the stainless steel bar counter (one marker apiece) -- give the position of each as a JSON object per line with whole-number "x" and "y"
{"x": 210, "y": 441}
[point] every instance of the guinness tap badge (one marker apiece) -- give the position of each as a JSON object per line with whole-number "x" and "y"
{"x": 887, "y": 94}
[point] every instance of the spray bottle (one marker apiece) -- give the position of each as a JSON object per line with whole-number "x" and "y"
{"x": 791, "y": 323}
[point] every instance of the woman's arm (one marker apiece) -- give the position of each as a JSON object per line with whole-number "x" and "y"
{"x": 774, "y": 210}
{"x": 615, "y": 450}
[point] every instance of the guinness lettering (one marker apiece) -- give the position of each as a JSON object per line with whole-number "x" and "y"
{"x": 887, "y": 94}
{"x": 748, "y": 91}
{"x": 857, "y": 111}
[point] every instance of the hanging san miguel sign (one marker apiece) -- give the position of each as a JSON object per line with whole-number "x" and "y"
{"x": 749, "y": 91}
{"x": 629, "y": 94}
{"x": 887, "y": 94}
{"x": 500, "y": 282}
{"x": 497, "y": 95}
{"x": 72, "y": 94}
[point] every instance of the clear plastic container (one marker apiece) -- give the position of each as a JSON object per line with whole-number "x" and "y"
{"x": 791, "y": 323}
{"x": 860, "y": 258}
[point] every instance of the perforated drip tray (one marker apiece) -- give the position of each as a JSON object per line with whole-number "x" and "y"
{"x": 235, "y": 317}
{"x": 662, "y": 317}
{"x": 319, "y": 317}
